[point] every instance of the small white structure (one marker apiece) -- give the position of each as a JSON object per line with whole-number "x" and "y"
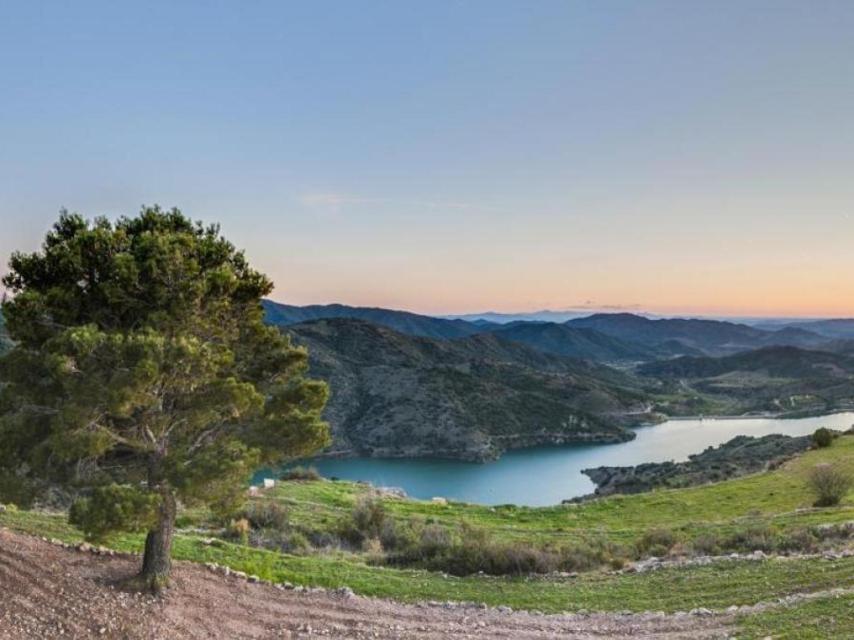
{"x": 269, "y": 483}
{"x": 438, "y": 500}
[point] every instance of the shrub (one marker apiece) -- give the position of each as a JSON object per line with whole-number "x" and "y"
{"x": 266, "y": 514}
{"x": 801, "y": 540}
{"x": 301, "y": 473}
{"x": 656, "y": 542}
{"x": 829, "y": 484}
{"x": 753, "y": 538}
{"x": 468, "y": 550}
{"x": 296, "y": 543}
{"x": 367, "y": 520}
{"x": 239, "y": 530}
{"x": 707, "y": 544}
{"x": 16, "y": 490}
{"x": 823, "y": 437}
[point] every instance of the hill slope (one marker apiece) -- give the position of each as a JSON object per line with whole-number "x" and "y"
{"x": 564, "y": 340}
{"x": 712, "y": 337}
{"x": 403, "y": 321}
{"x": 398, "y": 395}
{"x": 770, "y": 379}
{"x": 836, "y": 328}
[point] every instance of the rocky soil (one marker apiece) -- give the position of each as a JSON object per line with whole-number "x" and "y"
{"x": 53, "y": 592}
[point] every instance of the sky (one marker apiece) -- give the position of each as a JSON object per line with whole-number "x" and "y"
{"x": 451, "y": 157}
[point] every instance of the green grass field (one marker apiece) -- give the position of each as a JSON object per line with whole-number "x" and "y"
{"x": 779, "y": 497}
{"x": 714, "y": 586}
{"x": 820, "y": 619}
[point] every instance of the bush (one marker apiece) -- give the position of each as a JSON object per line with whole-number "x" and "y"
{"x": 707, "y": 544}
{"x": 753, "y": 538}
{"x": 800, "y": 540}
{"x": 656, "y": 542}
{"x": 367, "y": 520}
{"x": 829, "y": 484}
{"x": 266, "y": 514}
{"x": 468, "y": 550}
{"x": 239, "y": 530}
{"x": 16, "y": 490}
{"x": 301, "y": 473}
{"x": 293, "y": 542}
{"x": 822, "y": 437}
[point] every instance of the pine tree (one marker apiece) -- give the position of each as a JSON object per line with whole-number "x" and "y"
{"x": 142, "y": 375}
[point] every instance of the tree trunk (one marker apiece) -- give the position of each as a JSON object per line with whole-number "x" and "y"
{"x": 157, "y": 559}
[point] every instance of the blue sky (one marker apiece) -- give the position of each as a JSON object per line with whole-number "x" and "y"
{"x": 456, "y": 156}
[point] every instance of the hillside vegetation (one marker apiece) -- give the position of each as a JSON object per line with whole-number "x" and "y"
{"x": 399, "y": 395}
{"x": 773, "y": 379}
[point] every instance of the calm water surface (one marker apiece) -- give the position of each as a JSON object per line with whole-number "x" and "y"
{"x": 546, "y": 475}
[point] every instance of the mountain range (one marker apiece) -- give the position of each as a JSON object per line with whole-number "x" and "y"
{"x": 842, "y": 328}
{"x": 604, "y": 337}
{"x": 712, "y": 337}
{"x": 409, "y": 323}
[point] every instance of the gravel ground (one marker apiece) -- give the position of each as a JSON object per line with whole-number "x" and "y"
{"x": 47, "y": 591}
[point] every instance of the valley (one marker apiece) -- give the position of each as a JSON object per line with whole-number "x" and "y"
{"x": 405, "y": 385}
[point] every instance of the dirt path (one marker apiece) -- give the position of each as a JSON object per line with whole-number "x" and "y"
{"x": 47, "y": 591}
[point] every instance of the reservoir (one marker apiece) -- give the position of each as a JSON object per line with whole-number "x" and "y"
{"x": 542, "y": 476}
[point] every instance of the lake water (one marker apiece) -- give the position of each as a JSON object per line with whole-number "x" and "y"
{"x": 542, "y": 476}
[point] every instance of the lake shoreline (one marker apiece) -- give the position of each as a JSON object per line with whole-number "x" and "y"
{"x": 546, "y": 475}
{"x": 784, "y": 415}
{"x": 495, "y": 456}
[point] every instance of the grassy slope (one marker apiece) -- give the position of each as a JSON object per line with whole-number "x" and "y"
{"x": 831, "y": 617}
{"x": 776, "y": 496}
{"x": 715, "y": 586}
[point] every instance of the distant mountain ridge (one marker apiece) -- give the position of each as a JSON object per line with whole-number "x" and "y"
{"x": 565, "y": 340}
{"x": 545, "y": 315}
{"x": 604, "y": 337}
{"x": 713, "y": 337}
{"x": 397, "y": 395}
{"x": 842, "y": 328}
{"x": 404, "y": 321}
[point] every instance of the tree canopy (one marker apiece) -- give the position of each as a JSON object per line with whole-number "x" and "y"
{"x": 142, "y": 373}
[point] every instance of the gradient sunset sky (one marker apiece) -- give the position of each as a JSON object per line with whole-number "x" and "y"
{"x": 449, "y": 157}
